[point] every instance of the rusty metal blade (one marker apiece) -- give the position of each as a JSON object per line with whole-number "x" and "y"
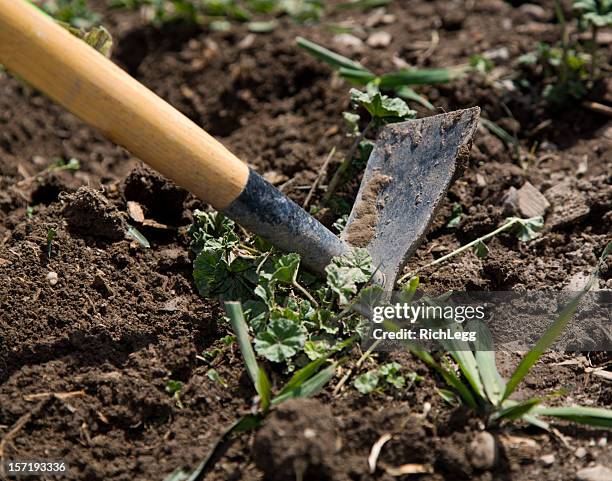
{"x": 409, "y": 171}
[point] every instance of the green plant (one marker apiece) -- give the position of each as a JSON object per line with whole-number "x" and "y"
{"x": 292, "y": 315}
{"x": 479, "y": 385}
{"x": 216, "y": 13}
{"x": 383, "y": 376}
{"x": 51, "y": 234}
{"x": 174, "y": 388}
{"x": 73, "y": 12}
{"x": 397, "y": 82}
{"x": 595, "y": 14}
{"x": 562, "y": 67}
{"x": 381, "y": 110}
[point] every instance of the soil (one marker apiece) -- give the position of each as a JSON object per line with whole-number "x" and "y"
{"x": 93, "y": 325}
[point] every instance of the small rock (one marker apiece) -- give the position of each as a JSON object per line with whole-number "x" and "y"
{"x": 375, "y": 18}
{"x": 135, "y": 211}
{"x": 527, "y": 201}
{"x": 379, "y": 39}
{"x": 348, "y": 40}
{"x": 52, "y": 278}
{"x": 535, "y": 12}
{"x": 247, "y": 41}
{"x": 481, "y": 181}
{"x": 580, "y": 452}
{"x": 275, "y": 177}
{"x": 548, "y": 459}
{"x": 595, "y": 473}
{"x": 602, "y": 442}
{"x": 568, "y": 204}
{"x": 482, "y": 451}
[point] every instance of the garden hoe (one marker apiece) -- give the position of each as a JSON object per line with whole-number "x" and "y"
{"x": 408, "y": 173}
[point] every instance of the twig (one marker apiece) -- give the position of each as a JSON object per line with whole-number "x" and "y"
{"x": 461, "y": 249}
{"x": 361, "y": 360}
{"x": 59, "y": 395}
{"x": 598, "y": 108}
{"x": 322, "y": 173}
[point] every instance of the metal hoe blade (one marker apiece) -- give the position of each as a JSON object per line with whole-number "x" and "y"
{"x": 409, "y": 171}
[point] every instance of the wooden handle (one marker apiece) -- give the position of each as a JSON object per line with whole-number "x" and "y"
{"x": 90, "y": 86}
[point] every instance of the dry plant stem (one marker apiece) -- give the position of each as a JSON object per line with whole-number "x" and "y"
{"x": 315, "y": 184}
{"x": 335, "y": 181}
{"x": 461, "y": 249}
{"x": 361, "y": 360}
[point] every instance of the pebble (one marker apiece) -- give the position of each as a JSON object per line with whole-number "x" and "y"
{"x": 348, "y": 40}
{"x": 379, "y": 39}
{"x": 548, "y": 459}
{"x": 52, "y": 278}
{"x": 482, "y": 451}
{"x": 527, "y": 201}
{"x": 580, "y": 453}
{"x": 594, "y": 473}
{"x": 535, "y": 12}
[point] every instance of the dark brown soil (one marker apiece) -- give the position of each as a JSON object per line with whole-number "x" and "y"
{"x": 109, "y": 322}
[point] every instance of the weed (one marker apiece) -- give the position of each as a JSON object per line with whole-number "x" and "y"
{"x": 293, "y": 315}
{"x": 174, "y": 388}
{"x": 397, "y": 82}
{"x": 480, "y": 386}
{"x": 566, "y": 70}
{"x": 386, "y": 375}
{"x": 51, "y": 234}
{"x": 593, "y": 15}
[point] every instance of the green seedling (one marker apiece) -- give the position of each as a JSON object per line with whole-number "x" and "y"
{"x": 214, "y": 376}
{"x": 564, "y": 67}
{"x": 361, "y": 4}
{"x": 136, "y": 235}
{"x": 51, "y": 234}
{"x": 456, "y": 216}
{"x": 525, "y": 230}
{"x": 593, "y": 15}
{"x": 480, "y": 386}
{"x": 30, "y": 211}
{"x": 384, "y": 376}
{"x": 174, "y": 388}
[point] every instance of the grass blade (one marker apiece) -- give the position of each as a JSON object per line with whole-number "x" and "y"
{"x": 328, "y": 56}
{"x": 361, "y": 77}
{"x": 449, "y": 376}
{"x": 308, "y": 388}
{"x": 409, "y": 94}
{"x": 536, "y": 421}
{"x": 421, "y": 77}
{"x": 487, "y": 367}
{"x": 580, "y": 414}
{"x": 264, "y": 389}
{"x": 553, "y": 331}
{"x": 517, "y": 410}
{"x": 234, "y": 312}
{"x": 311, "y": 368}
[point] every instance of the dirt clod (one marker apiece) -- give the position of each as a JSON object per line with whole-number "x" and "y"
{"x": 297, "y": 442}
{"x": 90, "y": 214}
{"x": 482, "y": 451}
